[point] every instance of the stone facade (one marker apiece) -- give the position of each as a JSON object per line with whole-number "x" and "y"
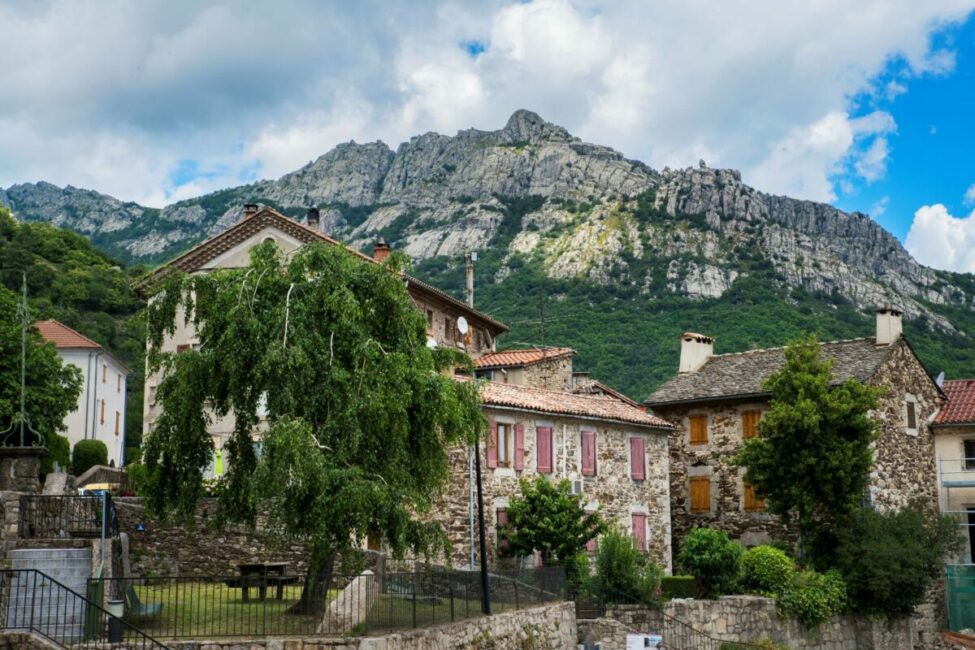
{"x": 904, "y": 464}
{"x": 611, "y": 490}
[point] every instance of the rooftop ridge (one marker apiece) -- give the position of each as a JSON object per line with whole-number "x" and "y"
{"x": 783, "y": 347}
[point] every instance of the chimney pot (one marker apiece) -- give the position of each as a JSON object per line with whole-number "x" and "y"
{"x": 695, "y": 349}
{"x": 250, "y": 209}
{"x": 889, "y": 324}
{"x": 380, "y": 250}
{"x": 312, "y": 218}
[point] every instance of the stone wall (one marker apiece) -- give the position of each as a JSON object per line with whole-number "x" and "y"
{"x": 611, "y": 489}
{"x": 554, "y": 374}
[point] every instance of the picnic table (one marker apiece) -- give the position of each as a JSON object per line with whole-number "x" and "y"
{"x": 261, "y": 575}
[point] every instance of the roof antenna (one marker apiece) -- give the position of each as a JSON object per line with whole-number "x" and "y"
{"x": 22, "y": 425}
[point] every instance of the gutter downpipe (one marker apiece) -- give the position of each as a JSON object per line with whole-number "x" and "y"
{"x": 87, "y": 391}
{"x": 94, "y": 401}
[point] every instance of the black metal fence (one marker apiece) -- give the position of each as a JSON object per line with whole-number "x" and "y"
{"x": 54, "y": 517}
{"x": 272, "y": 605}
{"x": 30, "y": 601}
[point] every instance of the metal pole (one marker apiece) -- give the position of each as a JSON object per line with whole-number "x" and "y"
{"x": 485, "y": 592}
{"x": 470, "y": 501}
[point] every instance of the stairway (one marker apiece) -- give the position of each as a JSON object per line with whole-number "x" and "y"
{"x": 34, "y": 599}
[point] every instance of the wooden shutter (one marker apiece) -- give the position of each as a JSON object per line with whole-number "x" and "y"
{"x": 519, "y": 446}
{"x": 749, "y": 424}
{"x": 638, "y": 459}
{"x": 492, "y": 447}
{"x": 699, "y": 429}
{"x": 543, "y": 450}
{"x": 700, "y": 494}
{"x": 183, "y": 347}
{"x": 502, "y": 519}
{"x": 588, "y": 453}
{"x": 752, "y": 502}
{"x": 101, "y": 418}
{"x": 118, "y": 420}
{"x": 640, "y": 531}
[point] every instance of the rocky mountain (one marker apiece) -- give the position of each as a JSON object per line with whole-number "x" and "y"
{"x": 580, "y": 220}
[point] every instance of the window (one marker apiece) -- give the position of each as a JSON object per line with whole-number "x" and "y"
{"x": 499, "y": 451}
{"x": 699, "y": 429}
{"x": 749, "y": 424}
{"x": 104, "y": 373}
{"x": 183, "y": 347}
{"x": 700, "y": 494}
{"x": 911, "y": 413}
{"x": 118, "y": 422}
{"x": 502, "y": 518}
{"x": 543, "y": 450}
{"x": 101, "y": 417}
{"x": 639, "y": 531}
{"x": 430, "y": 319}
{"x": 969, "y": 447}
{"x": 118, "y": 384}
{"x": 638, "y": 459}
{"x": 752, "y": 502}
{"x": 588, "y": 453}
{"x": 519, "y": 446}
{"x": 448, "y": 329}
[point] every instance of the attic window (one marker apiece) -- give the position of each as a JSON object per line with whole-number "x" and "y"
{"x": 269, "y": 239}
{"x": 910, "y": 415}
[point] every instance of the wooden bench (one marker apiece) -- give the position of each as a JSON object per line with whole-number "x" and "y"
{"x": 261, "y": 575}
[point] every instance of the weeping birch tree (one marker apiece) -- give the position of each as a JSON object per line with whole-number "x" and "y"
{"x": 359, "y": 411}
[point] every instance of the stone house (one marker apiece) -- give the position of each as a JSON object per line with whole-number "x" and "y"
{"x": 100, "y": 413}
{"x": 954, "y": 441}
{"x": 716, "y": 401}
{"x": 540, "y": 367}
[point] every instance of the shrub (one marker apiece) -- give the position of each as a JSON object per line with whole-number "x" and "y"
{"x": 890, "y": 559}
{"x": 677, "y": 587}
{"x": 87, "y": 454}
{"x": 711, "y": 557}
{"x": 59, "y": 451}
{"x": 766, "y": 570}
{"x": 812, "y": 598}
{"x": 624, "y": 574}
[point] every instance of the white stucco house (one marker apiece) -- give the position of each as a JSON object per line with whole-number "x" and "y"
{"x": 100, "y": 414}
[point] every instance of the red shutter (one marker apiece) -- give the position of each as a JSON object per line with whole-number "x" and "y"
{"x": 519, "y": 446}
{"x": 638, "y": 459}
{"x": 543, "y": 450}
{"x": 640, "y": 531}
{"x": 588, "y": 453}
{"x": 502, "y": 518}
{"x": 492, "y": 447}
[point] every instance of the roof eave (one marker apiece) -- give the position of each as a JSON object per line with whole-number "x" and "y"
{"x": 524, "y": 409}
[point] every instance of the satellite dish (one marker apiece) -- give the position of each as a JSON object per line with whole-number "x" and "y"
{"x": 940, "y": 381}
{"x": 462, "y": 325}
{"x": 431, "y": 342}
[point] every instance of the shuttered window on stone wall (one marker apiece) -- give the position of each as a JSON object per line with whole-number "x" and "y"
{"x": 752, "y": 502}
{"x": 749, "y": 424}
{"x": 911, "y": 414}
{"x": 588, "y": 453}
{"x": 700, "y": 494}
{"x": 699, "y": 429}
{"x": 543, "y": 450}
{"x": 639, "y": 531}
{"x": 502, "y": 519}
{"x": 492, "y": 447}
{"x": 519, "y": 446}
{"x": 638, "y": 459}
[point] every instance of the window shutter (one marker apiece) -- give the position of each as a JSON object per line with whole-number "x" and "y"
{"x": 519, "y": 446}
{"x": 749, "y": 424}
{"x": 752, "y": 502}
{"x": 699, "y": 429}
{"x": 638, "y": 459}
{"x": 502, "y": 519}
{"x": 492, "y": 447}
{"x": 640, "y": 531}
{"x": 700, "y": 494}
{"x": 183, "y": 347}
{"x": 543, "y": 450}
{"x": 588, "y": 453}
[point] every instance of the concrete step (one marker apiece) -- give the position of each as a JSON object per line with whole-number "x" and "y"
{"x": 54, "y": 553}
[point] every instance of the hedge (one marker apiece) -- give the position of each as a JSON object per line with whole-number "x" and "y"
{"x": 87, "y": 454}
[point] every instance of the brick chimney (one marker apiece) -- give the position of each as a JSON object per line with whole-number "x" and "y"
{"x": 250, "y": 209}
{"x": 380, "y": 250}
{"x": 312, "y": 218}
{"x": 694, "y": 351}
{"x": 889, "y": 324}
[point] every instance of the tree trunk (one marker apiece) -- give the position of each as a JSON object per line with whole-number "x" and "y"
{"x": 314, "y": 592}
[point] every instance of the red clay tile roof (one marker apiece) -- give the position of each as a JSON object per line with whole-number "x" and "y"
{"x": 960, "y": 408}
{"x": 593, "y": 387}
{"x": 63, "y": 336}
{"x": 509, "y": 358}
{"x": 561, "y": 403}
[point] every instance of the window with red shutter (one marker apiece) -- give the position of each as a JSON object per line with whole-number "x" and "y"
{"x": 543, "y": 450}
{"x": 519, "y": 446}
{"x": 492, "y": 447}
{"x": 640, "y": 531}
{"x": 638, "y": 459}
{"x": 588, "y": 453}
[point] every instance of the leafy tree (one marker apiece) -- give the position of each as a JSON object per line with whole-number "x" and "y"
{"x": 711, "y": 557}
{"x": 360, "y": 411}
{"x": 812, "y": 460}
{"x": 548, "y": 518}
{"x": 766, "y": 570}
{"x": 624, "y": 574}
{"x": 87, "y": 454}
{"x": 58, "y": 451}
{"x": 52, "y": 387}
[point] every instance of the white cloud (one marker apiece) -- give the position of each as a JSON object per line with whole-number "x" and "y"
{"x": 942, "y": 241}
{"x": 969, "y": 197}
{"x": 872, "y": 164}
{"x": 880, "y": 207}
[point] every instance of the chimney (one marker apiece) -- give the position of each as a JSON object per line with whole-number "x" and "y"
{"x": 470, "y": 258}
{"x": 311, "y": 219}
{"x": 889, "y": 325}
{"x": 380, "y": 250}
{"x": 250, "y": 209}
{"x": 694, "y": 351}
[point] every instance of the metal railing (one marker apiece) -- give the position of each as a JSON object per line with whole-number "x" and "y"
{"x": 31, "y": 601}
{"x": 62, "y": 516}
{"x": 181, "y": 607}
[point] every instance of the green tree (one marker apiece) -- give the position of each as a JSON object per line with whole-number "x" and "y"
{"x": 812, "y": 460}
{"x": 52, "y": 387}
{"x": 360, "y": 411}
{"x": 546, "y": 517}
{"x": 623, "y": 573}
{"x": 711, "y": 557}
{"x": 87, "y": 454}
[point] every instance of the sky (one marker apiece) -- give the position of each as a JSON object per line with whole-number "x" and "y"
{"x": 864, "y": 104}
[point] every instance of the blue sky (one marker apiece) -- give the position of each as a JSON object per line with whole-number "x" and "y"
{"x": 860, "y": 103}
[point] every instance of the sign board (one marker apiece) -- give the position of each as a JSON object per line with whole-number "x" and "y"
{"x": 640, "y": 641}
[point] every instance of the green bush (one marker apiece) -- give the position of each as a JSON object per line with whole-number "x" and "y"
{"x": 624, "y": 574}
{"x": 766, "y": 570}
{"x": 58, "y": 450}
{"x": 711, "y": 557}
{"x": 677, "y": 587}
{"x": 87, "y": 454}
{"x": 812, "y": 598}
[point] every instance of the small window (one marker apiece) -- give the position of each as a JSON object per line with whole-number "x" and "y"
{"x": 118, "y": 384}
{"x": 430, "y": 319}
{"x": 104, "y": 373}
{"x": 504, "y": 444}
{"x": 749, "y": 424}
{"x": 101, "y": 417}
{"x": 911, "y": 415}
{"x": 638, "y": 459}
{"x": 448, "y": 329}
{"x": 183, "y": 347}
{"x": 699, "y": 429}
{"x": 588, "y": 453}
{"x": 118, "y": 423}
{"x": 752, "y": 502}
{"x": 700, "y": 494}
{"x": 970, "y": 454}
